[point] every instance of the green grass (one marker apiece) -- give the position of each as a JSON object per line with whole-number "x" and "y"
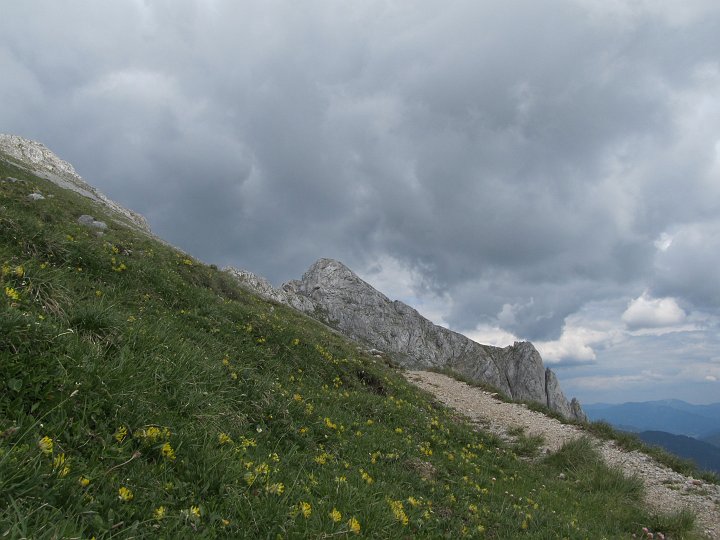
{"x": 144, "y": 394}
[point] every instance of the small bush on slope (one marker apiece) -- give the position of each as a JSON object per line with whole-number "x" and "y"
{"x": 144, "y": 394}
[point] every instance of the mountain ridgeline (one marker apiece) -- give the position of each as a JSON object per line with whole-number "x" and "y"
{"x": 331, "y": 292}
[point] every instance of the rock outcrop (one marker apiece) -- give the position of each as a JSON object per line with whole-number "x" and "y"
{"x": 36, "y": 158}
{"x": 332, "y": 293}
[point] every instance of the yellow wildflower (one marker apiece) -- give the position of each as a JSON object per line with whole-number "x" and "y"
{"x": 354, "y": 525}
{"x": 297, "y": 397}
{"x": 335, "y": 515}
{"x": 305, "y": 509}
{"x": 321, "y": 459}
{"x": 365, "y": 476}
{"x": 296, "y": 342}
{"x": 195, "y": 512}
{"x": 19, "y": 271}
{"x": 46, "y": 445}
{"x": 168, "y": 452}
{"x": 224, "y": 438}
{"x": 275, "y": 489}
{"x": 413, "y": 501}
{"x": 152, "y": 433}
{"x": 84, "y": 481}
{"x": 59, "y": 464}
{"x": 12, "y": 293}
{"x": 330, "y": 424}
{"x": 399, "y": 511}
{"x": 124, "y": 494}
{"x": 120, "y": 434}
{"x": 159, "y": 512}
{"x": 303, "y": 430}
{"x": 247, "y": 443}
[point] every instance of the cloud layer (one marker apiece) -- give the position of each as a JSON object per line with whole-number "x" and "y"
{"x": 540, "y": 171}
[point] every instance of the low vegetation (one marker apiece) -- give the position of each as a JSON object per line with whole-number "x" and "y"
{"x": 144, "y": 394}
{"x": 603, "y": 430}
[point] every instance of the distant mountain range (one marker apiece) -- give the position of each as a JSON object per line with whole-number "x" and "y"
{"x": 687, "y": 430}
{"x": 669, "y": 415}
{"x": 705, "y": 455}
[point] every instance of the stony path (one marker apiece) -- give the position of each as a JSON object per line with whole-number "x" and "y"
{"x": 666, "y": 490}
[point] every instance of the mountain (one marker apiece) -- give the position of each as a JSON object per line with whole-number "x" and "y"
{"x": 34, "y": 157}
{"x": 713, "y": 438}
{"x": 704, "y": 455}
{"x": 672, "y": 416}
{"x": 144, "y": 394}
{"x": 332, "y": 293}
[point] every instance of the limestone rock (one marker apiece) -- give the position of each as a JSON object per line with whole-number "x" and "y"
{"x": 89, "y": 221}
{"x": 332, "y": 293}
{"x": 36, "y": 197}
{"x": 36, "y": 158}
{"x": 262, "y": 286}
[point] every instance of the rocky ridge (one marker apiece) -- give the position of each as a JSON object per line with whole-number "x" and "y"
{"x": 36, "y": 158}
{"x": 332, "y": 293}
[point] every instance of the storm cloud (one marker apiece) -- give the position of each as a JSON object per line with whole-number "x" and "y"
{"x": 546, "y": 171}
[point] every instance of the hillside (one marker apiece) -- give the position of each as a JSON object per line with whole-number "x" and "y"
{"x": 713, "y": 439}
{"x": 145, "y": 394}
{"x": 703, "y": 454}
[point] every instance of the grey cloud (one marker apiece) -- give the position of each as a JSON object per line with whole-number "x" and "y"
{"x": 507, "y": 152}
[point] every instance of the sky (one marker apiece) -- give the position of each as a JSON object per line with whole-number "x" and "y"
{"x": 544, "y": 171}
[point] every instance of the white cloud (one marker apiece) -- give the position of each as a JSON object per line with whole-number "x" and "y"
{"x": 492, "y": 335}
{"x": 608, "y": 382}
{"x": 711, "y": 378}
{"x": 574, "y": 345}
{"x": 664, "y": 241}
{"x": 399, "y": 281}
{"x": 647, "y": 312}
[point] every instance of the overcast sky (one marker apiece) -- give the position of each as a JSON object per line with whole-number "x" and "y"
{"x": 547, "y": 171}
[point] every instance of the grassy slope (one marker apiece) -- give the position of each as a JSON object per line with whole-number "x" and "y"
{"x": 154, "y": 375}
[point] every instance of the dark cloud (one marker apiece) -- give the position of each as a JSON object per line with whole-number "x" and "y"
{"x": 520, "y": 160}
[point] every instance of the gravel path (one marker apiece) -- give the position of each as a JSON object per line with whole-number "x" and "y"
{"x": 666, "y": 490}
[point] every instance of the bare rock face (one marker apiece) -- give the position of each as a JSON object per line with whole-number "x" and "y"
{"x": 331, "y": 292}
{"x": 36, "y": 158}
{"x": 261, "y": 286}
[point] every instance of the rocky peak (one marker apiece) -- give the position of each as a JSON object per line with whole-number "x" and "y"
{"x": 333, "y": 293}
{"x": 41, "y": 161}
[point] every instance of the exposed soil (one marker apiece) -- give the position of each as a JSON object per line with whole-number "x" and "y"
{"x": 666, "y": 490}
